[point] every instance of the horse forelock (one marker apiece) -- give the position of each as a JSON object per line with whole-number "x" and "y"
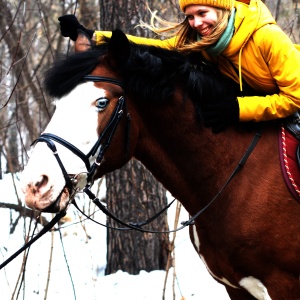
{"x": 67, "y": 72}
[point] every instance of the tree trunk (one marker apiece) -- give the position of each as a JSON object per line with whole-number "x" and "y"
{"x": 277, "y": 9}
{"x": 132, "y": 192}
{"x": 134, "y": 195}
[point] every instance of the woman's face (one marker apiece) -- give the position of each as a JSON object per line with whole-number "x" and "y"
{"x": 201, "y": 18}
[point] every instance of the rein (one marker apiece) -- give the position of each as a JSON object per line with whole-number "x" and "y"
{"x": 138, "y": 226}
{"x": 101, "y": 146}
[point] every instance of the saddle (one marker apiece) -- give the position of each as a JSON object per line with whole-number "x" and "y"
{"x": 289, "y": 150}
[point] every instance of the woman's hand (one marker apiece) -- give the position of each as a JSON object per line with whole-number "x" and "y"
{"x": 69, "y": 27}
{"x": 220, "y": 115}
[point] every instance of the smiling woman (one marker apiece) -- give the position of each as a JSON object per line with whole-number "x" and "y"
{"x": 246, "y": 45}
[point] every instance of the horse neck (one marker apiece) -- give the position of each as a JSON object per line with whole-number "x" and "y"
{"x": 186, "y": 158}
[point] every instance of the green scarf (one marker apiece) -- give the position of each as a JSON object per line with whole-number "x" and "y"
{"x": 217, "y": 48}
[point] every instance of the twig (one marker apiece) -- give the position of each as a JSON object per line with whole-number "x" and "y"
{"x": 50, "y": 264}
{"x": 43, "y": 96}
{"x": 15, "y": 188}
{"x": 171, "y": 254}
{"x": 68, "y": 267}
{"x": 24, "y": 212}
{"x": 5, "y": 104}
{"x": 12, "y": 22}
{"x": 21, "y": 276}
{"x": 44, "y": 27}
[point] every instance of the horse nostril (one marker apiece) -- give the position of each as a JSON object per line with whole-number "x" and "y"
{"x": 43, "y": 180}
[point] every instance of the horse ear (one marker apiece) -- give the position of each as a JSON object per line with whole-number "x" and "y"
{"x": 83, "y": 42}
{"x": 119, "y": 47}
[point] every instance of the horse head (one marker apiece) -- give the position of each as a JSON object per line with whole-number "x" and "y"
{"x": 88, "y": 134}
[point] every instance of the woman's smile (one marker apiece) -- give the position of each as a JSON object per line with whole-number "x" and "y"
{"x": 205, "y": 31}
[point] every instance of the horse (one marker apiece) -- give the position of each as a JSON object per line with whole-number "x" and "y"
{"x": 120, "y": 100}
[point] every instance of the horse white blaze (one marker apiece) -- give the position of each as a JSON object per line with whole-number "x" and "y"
{"x": 255, "y": 288}
{"x": 75, "y": 120}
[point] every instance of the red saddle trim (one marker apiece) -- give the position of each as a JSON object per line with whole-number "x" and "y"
{"x": 291, "y": 172}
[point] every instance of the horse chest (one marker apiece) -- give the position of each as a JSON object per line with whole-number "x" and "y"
{"x": 218, "y": 268}
{"x": 206, "y": 258}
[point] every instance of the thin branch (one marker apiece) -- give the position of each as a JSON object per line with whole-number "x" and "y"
{"x": 12, "y": 22}
{"x": 44, "y": 27}
{"x": 171, "y": 254}
{"x": 50, "y": 264}
{"x": 21, "y": 277}
{"x": 5, "y": 104}
{"x": 44, "y": 99}
{"x": 68, "y": 267}
{"x": 25, "y": 212}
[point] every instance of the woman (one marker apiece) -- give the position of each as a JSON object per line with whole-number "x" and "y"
{"x": 247, "y": 46}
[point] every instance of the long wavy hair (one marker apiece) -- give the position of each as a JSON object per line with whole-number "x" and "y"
{"x": 187, "y": 40}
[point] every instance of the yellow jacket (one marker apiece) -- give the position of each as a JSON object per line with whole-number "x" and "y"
{"x": 262, "y": 55}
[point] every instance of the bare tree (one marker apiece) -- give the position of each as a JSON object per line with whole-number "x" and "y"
{"x": 134, "y": 195}
{"x": 132, "y": 192}
{"x": 286, "y": 14}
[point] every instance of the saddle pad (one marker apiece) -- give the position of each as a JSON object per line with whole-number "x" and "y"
{"x": 291, "y": 172}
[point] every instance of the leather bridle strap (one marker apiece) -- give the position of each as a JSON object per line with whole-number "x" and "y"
{"x": 128, "y": 226}
{"x": 48, "y": 137}
{"x": 51, "y": 145}
{"x": 96, "y": 78}
{"x": 107, "y": 134}
{"x": 240, "y": 165}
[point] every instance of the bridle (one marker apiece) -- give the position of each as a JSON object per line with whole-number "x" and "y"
{"x": 101, "y": 146}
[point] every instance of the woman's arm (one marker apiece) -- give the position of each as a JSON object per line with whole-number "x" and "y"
{"x": 283, "y": 61}
{"x": 167, "y": 44}
{"x": 69, "y": 27}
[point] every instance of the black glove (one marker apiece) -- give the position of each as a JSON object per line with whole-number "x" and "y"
{"x": 69, "y": 26}
{"x": 219, "y": 116}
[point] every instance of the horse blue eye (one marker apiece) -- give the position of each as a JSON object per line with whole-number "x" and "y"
{"x": 101, "y": 103}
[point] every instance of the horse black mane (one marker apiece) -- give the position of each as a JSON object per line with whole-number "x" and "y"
{"x": 151, "y": 73}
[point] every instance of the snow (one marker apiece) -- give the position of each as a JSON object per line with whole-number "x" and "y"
{"x": 81, "y": 252}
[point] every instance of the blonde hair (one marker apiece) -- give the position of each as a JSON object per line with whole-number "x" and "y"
{"x": 187, "y": 38}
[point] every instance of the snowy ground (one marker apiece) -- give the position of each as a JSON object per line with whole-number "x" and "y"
{"x": 86, "y": 260}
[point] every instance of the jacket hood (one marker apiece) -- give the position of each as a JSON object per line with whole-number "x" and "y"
{"x": 248, "y": 19}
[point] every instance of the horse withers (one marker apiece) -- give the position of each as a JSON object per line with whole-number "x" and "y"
{"x": 248, "y": 236}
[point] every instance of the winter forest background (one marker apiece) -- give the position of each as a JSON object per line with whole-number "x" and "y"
{"x": 78, "y": 260}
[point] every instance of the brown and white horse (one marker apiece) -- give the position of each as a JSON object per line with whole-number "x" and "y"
{"x": 249, "y": 237}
